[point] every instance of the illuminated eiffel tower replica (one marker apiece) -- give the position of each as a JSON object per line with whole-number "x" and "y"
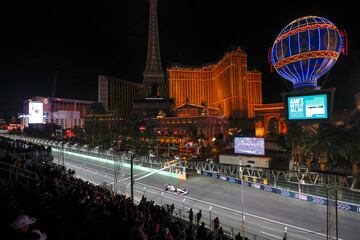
{"x": 155, "y": 96}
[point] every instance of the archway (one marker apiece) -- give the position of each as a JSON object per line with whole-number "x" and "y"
{"x": 272, "y": 127}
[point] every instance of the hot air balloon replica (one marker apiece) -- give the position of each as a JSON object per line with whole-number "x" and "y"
{"x": 306, "y": 49}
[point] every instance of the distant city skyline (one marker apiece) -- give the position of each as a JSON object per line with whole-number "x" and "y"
{"x": 84, "y": 41}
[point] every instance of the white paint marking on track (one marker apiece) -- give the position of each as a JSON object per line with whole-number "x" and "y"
{"x": 88, "y": 163}
{"x": 271, "y": 235}
{"x": 128, "y": 178}
{"x": 299, "y": 236}
{"x": 91, "y": 164}
{"x": 272, "y": 229}
{"x": 89, "y": 169}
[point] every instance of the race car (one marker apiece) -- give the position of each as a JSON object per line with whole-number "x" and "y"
{"x": 180, "y": 190}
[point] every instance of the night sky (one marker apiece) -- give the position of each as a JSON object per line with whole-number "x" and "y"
{"x": 84, "y": 40}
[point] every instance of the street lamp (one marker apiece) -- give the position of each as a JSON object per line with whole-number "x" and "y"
{"x": 62, "y": 154}
{"x": 210, "y": 215}
{"x": 242, "y": 207}
{"x": 132, "y": 175}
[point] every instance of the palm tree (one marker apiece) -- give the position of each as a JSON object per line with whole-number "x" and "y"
{"x": 353, "y": 151}
{"x": 353, "y": 143}
{"x": 294, "y": 139}
{"x": 324, "y": 142}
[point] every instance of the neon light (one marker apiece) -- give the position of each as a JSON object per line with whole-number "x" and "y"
{"x": 286, "y": 75}
{"x": 127, "y": 165}
{"x": 309, "y": 49}
{"x": 290, "y": 53}
{"x": 319, "y": 48}
{"x": 304, "y": 29}
{"x": 291, "y": 76}
{"x": 300, "y": 62}
{"x": 304, "y": 56}
{"x": 307, "y": 55}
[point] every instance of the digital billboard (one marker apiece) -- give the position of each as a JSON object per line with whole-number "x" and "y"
{"x": 308, "y": 107}
{"x": 35, "y": 112}
{"x": 249, "y": 145}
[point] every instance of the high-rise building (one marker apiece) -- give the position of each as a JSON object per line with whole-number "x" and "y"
{"x": 117, "y": 95}
{"x": 227, "y": 85}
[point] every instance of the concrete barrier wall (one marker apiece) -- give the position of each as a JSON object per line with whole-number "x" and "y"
{"x": 304, "y": 197}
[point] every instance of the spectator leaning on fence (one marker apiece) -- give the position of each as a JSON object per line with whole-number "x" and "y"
{"x": 198, "y": 217}
{"x": 191, "y": 215}
{"x": 216, "y": 223}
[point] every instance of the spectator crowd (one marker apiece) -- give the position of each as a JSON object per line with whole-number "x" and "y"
{"x": 60, "y": 206}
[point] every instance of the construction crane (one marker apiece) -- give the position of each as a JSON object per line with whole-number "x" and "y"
{"x": 53, "y": 96}
{"x": 61, "y": 157}
{"x": 52, "y": 106}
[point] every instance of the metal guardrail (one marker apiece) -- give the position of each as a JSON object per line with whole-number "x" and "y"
{"x": 313, "y": 183}
{"x": 303, "y": 182}
{"x": 19, "y": 174}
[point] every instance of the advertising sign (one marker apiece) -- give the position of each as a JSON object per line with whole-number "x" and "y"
{"x": 35, "y": 112}
{"x": 308, "y": 107}
{"x": 249, "y": 145}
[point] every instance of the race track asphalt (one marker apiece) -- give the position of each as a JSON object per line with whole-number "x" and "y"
{"x": 266, "y": 214}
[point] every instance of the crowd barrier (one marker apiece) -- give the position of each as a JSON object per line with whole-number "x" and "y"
{"x": 304, "y": 197}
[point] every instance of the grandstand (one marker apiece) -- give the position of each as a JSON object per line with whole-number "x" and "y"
{"x": 67, "y": 207}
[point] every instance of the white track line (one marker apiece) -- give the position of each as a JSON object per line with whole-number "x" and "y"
{"x": 271, "y": 235}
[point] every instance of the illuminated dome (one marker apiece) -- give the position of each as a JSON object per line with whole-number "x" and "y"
{"x": 305, "y": 50}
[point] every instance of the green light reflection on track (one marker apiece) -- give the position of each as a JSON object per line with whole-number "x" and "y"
{"x": 103, "y": 160}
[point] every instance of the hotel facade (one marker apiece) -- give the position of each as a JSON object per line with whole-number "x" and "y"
{"x": 227, "y": 85}
{"x": 117, "y": 95}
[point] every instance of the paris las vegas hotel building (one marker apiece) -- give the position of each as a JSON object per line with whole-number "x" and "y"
{"x": 205, "y": 97}
{"x": 227, "y": 85}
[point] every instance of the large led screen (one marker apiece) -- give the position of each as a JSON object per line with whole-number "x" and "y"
{"x": 308, "y": 107}
{"x": 35, "y": 112}
{"x": 248, "y": 145}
